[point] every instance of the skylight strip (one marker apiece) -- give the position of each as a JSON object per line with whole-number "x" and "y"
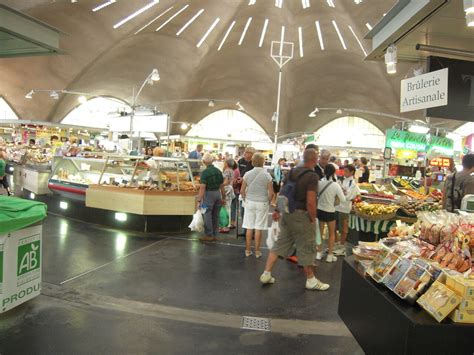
{"x": 247, "y": 25}
{"x": 300, "y": 36}
{"x": 279, "y": 3}
{"x": 264, "y": 32}
{"x": 282, "y": 39}
{"x": 305, "y": 4}
{"x": 368, "y": 26}
{"x": 339, "y": 34}
{"x": 320, "y": 35}
{"x": 252, "y": 2}
{"x": 214, "y": 24}
{"x": 199, "y": 13}
{"x": 226, "y": 35}
{"x": 172, "y": 18}
{"x": 331, "y": 3}
{"x": 105, "y": 4}
{"x": 136, "y": 13}
{"x": 156, "y": 18}
{"x": 357, "y": 39}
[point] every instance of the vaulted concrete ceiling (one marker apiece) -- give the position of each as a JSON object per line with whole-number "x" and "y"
{"x": 102, "y": 60}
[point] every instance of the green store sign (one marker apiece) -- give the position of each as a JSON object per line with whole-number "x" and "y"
{"x": 397, "y": 139}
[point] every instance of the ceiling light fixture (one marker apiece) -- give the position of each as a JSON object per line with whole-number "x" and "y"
{"x": 155, "y": 76}
{"x": 29, "y": 95}
{"x": 54, "y": 95}
{"x": 172, "y": 18}
{"x": 305, "y": 4}
{"x": 156, "y": 18}
{"x": 339, "y": 34}
{"x": 391, "y": 59}
{"x": 313, "y": 113}
{"x": 252, "y": 2}
{"x": 274, "y": 117}
{"x": 82, "y": 99}
{"x": 320, "y": 35}
{"x": 331, "y": 3}
{"x": 368, "y": 26}
{"x": 300, "y": 37}
{"x": 339, "y": 111}
{"x": 214, "y": 24}
{"x": 105, "y": 4}
{"x": 136, "y": 13}
{"x": 469, "y": 10}
{"x": 357, "y": 2}
{"x": 247, "y": 25}
{"x": 226, "y": 35}
{"x": 184, "y": 126}
{"x": 264, "y": 31}
{"x": 358, "y": 41}
{"x": 212, "y": 103}
{"x": 239, "y": 106}
{"x": 199, "y": 13}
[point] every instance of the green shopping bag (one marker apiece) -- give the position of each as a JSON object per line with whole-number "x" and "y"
{"x": 223, "y": 217}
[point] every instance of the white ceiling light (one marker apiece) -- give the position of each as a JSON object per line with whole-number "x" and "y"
{"x": 214, "y": 24}
{"x": 199, "y": 13}
{"x": 184, "y": 126}
{"x": 29, "y": 95}
{"x": 82, "y": 99}
{"x": 239, "y": 106}
{"x": 264, "y": 31}
{"x": 252, "y": 2}
{"x": 247, "y": 25}
{"x": 469, "y": 10}
{"x": 172, "y": 18}
{"x": 313, "y": 113}
{"x": 415, "y": 128}
{"x": 212, "y": 103}
{"x": 279, "y": 3}
{"x": 331, "y": 3}
{"x": 391, "y": 59}
{"x": 358, "y": 41}
{"x": 156, "y": 18}
{"x": 320, "y": 35}
{"x": 54, "y": 95}
{"x": 136, "y": 13}
{"x": 155, "y": 76}
{"x": 339, "y": 111}
{"x": 305, "y": 4}
{"x": 368, "y": 26}
{"x": 300, "y": 37}
{"x": 357, "y": 2}
{"x": 105, "y": 4}
{"x": 339, "y": 34}
{"x": 226, "y": 35}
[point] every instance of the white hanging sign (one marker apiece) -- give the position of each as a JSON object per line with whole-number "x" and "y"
{"x": 424, "y": 91}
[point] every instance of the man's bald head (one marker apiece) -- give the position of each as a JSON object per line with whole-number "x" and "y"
{"x": 310, "y": 157}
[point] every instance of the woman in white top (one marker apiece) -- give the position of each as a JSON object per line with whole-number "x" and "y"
{"x": 350, "y": 189}
{"x": 328, "y": 190}
{"x": 257, "y": 192}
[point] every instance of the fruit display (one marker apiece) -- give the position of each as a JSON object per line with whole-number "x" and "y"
{"x": 436, "y": 196}
{"x": 375, "y": 209}
{"x": 367, "y": 188}
{"x": 413, "y": 194}
{"x": 401, "y": 183}
{"x": 411, "y": 208}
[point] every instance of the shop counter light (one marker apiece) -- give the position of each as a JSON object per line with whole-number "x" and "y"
{"x": 121, "y": 217}
{"x": 418, "y": 129}
{"x": 32, "y": 196}
{"x": 63, "y": 205}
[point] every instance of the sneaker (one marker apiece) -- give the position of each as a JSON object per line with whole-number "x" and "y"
{"x": 319, "y": 255}
{"x": 267, "y": 279}
{"x": 340, "y": 252}
{"x": 316, "y": 285}
{"x": 248, "y": 253}
{"x": 331, "y": 258}
{"x": 258, "y": 254}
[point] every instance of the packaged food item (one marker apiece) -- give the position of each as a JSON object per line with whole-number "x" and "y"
{"x": 462, "y": 316}
{"x": 397, "y": 272}
{"x": 461, "y": 285}
{"x": 466, "y": 305}
{"x": 439, "y": 301}
{"x": 382, "y": 268}
{"x": 414, "y": 282}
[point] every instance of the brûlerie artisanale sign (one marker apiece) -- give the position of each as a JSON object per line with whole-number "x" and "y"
{"x": 397, "y": 139}
{"x": 424, "y": 91}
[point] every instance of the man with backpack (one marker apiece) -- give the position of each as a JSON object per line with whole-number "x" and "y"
{"x": 298, "y": 222}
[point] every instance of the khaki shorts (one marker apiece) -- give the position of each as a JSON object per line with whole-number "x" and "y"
{"x": 296, "y": 229}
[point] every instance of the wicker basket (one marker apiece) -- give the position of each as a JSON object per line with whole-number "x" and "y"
{"x": 382, "y": 217}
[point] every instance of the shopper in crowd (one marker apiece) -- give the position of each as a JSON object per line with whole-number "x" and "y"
{"x": 153, "y": 172}
{"x": 3, "y": 175}
{"x": 149, "y": 152}
{"x": 356, "y": 163}
{"x": 257, "y": 192}
{"x": 346, "y": 162}
{"x": 299, "y": 227}
{"x": 329, "y": 195}
{"x": 324, "y": 156}
{"x": 277, "y": 179}
{"x": 459, "y": 184}
{"x": 235, "y": 200}
{"x": 211, "y": 197}
{"x": 228, "y": 174}
{"x": 31, "y": 142}
{"x": 196, "y": 155}
{"x": 343, "y": 210}
{"x": 364, "y": 169}
{"x": 245, "y": 165}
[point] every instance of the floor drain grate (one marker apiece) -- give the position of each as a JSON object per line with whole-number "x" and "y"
{"x": 254, "y": 323}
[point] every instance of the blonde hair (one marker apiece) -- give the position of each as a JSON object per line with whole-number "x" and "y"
{"x": 258, "y": 159}
{"x": 158, "y": 152}
{"x": 208, "y": 159}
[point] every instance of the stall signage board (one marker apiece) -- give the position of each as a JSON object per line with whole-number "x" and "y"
{"x": 441, "y": 162}
{"x": 397, "y": 139}
{"x": 424, "y": 91}
{"x": 20, "y": 269}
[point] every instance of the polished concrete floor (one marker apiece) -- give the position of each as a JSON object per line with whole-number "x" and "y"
{"x": 113, "y": 292}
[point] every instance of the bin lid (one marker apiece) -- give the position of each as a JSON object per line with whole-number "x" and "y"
{"x": 17, "y": 213}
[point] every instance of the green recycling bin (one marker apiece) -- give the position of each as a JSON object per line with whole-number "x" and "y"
{"x": 20, "y": 250}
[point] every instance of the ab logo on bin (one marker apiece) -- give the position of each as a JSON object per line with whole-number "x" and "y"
{"x": 29, "y": 259}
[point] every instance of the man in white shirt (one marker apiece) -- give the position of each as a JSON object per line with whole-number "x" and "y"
{"x": 343, "y": 210}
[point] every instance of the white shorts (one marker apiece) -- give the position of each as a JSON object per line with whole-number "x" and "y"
{"x": 256, "y": 215}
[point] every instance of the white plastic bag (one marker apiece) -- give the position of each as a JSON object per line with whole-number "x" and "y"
{"x": 273, "y": 233}
{"x": 197, "y": 224}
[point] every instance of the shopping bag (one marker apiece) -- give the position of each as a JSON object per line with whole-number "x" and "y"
{"x": 197, "y": 224}
{"x": 273, "y": 233}
{"x": 223, "y": 217}
{"x": 319, "y": 240}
